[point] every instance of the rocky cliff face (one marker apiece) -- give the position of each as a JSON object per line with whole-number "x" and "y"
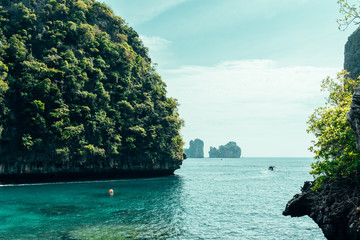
{"x": 336, "y": 206}
{"x": 196, "y": 149}
{"x": 79, "y": 96}
{"x": 353, "y": 116}
{"x": 352, "y": 55}
{"x": 352, "y": 65}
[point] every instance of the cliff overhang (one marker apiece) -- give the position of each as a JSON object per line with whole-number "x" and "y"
{"x": 81, "y": 175}
{"x": 335, "y": 208}
{"x": 27, "y": 173}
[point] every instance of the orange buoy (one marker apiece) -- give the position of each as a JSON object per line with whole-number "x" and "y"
{"x": 111, "y": 192}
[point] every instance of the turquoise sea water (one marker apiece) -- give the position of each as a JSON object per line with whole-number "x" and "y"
{"x": 206, "y": 199}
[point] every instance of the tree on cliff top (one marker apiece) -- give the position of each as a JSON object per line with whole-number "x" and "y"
{"x": 335, "y": 146}
{"x": 350, "y": 14}
{"x": 77, "y": 89}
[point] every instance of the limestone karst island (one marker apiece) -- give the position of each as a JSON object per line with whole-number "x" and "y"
{"x": 79, "y": 96}
{"x": 196, "y": 149}
{"x": 91, "y": 134}
{"x": 229, "y": 150}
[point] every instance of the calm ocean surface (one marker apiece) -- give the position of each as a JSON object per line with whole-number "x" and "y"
{"x": 207, "y": 199}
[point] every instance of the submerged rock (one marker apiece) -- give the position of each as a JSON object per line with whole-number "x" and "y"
{"x": 105, "y": 232}
{"x": 118, "y": 232}
{"x": 335, "y": 208}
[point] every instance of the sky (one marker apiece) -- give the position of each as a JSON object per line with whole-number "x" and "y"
{"x": 243, "y": 71}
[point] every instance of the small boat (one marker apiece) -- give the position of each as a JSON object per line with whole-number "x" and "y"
{"x": 271, "y": 168}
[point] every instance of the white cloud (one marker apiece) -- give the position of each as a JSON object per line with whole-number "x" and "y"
{"x": 158, "y": 48}
{"x": 155, "y": 43}
{"x": 257, "y": 103}
{"x": 142, "y": 10}
{"x": 151, "y": 9}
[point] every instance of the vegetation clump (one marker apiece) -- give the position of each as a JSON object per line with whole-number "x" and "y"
{"x": 78, "y": 90}
{"x": 335, "y": 145}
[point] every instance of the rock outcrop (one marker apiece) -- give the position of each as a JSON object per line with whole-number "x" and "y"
{"x": 353, "y": 116}
{"x": 230, "y": 150}
{"x": 352, "y": 55}
{"x": 335, "y": 208}
{"x": 79, "y": 96}
{"x": 196, "y": 149}
{"x": 352, "y": 65}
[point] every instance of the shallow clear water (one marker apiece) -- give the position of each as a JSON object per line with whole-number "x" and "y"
{"x": 206, "y": 199}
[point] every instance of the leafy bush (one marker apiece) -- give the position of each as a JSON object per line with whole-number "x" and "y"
{"x": 335, "y": 146}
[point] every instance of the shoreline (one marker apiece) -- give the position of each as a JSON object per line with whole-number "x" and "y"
{"x": 30, "y": 178}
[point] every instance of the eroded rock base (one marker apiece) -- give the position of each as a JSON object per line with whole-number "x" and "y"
{"x": 335, "y": 208}
{"x": 80, "y": 176}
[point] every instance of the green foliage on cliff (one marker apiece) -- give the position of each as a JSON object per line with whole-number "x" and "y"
{"x": 77, "y": 88}
{"x": 335, "y": 146}
{"x": 229, "y": 150}
{"x": 350, "y": 12}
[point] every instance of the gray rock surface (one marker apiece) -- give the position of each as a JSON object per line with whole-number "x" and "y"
{"x": 353, "y": 115}
{"x": 352, "y": 54}
{"x": 230, "y": 150}
{"x": 334, "y": 208}
{"x": 196, "y": 149}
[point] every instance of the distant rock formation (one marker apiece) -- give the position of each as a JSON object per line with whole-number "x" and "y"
{"x": 230, "y": 150}
{"x": 196, "y": 149}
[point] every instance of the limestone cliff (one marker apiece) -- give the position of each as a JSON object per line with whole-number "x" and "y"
{"x": 196, "y": 149}
{"x": 352, "y": 54}
{"x": 79, "y": 96}
{"x": 336, "y": 206}
{"x": 353, "y": 117}
{"x": 229, "y": 150}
